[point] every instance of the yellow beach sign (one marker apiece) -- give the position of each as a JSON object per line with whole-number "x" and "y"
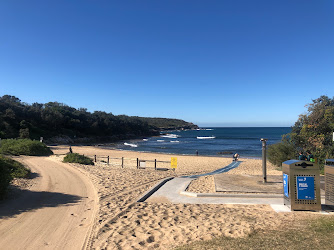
{"x": 173, "y": 162}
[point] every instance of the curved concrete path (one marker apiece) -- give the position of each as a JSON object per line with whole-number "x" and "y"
{"x": 174, "y": 191}
{"x": 218, "y": 171}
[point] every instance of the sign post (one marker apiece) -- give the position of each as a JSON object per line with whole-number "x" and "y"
{"x": 173, "y": 163}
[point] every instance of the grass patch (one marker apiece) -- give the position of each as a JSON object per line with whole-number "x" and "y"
{"x": 10, "y": 169}
{"x": 24, "y": 147}
{"x": 314, "y": 234}
{"x": 77, "y": 158}
{"x": 323, "y": 225}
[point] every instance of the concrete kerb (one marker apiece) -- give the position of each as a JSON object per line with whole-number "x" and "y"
{"x": 250, "y": 195}
{"x": 154, "y": 189}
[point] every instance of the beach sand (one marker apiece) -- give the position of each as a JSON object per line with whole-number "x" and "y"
{"x": 123, "y": 223}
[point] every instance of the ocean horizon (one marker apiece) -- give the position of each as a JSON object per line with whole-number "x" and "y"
{"x": 209, "y": 141}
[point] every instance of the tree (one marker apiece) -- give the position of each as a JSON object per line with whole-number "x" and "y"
{"x": 314, "y": 130}
{"x": 24, "y": 133}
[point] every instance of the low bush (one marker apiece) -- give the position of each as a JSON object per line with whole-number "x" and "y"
{"x": 24, "y": 147}
{"x": 5, "y": 179}
{"x": 76, "y": 158}
{"x": 280, "y": 152}
{"x": 10, "y": 169}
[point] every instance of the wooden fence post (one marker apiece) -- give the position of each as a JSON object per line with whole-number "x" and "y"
{"x": 137, "y": 163}
{"x": 108, "y": 159}
{"x": 155, "y": 164}
{"x": 122, "y": 162}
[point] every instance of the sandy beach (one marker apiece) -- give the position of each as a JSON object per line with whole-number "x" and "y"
{"x": 123, "y": 223}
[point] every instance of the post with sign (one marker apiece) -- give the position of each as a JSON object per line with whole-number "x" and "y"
{"x": 173, "y": 163}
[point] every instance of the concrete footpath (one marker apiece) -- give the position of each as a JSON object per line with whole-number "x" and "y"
{"x": 173, "y": 190}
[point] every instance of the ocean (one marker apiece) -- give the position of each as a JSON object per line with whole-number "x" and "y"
{"x": 209, "y": 141}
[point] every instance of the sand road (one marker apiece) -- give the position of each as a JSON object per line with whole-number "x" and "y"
{"x": 56, "y": 212}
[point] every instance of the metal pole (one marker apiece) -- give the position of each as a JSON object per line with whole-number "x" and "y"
{"x": 264, "y": 159}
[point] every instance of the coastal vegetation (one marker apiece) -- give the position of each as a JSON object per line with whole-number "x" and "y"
{"x": 10, "y": 169}
{"x": 312, "y": 131}
{"x": 24, "y": 147}
{"x": 59, "y": 123}
{"x": 167, "y": 124}
{"x": 77, "y": 158}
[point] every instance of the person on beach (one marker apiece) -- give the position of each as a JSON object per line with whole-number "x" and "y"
{"x": 71, "y": 150}
{"x": 235, "y": 157}
{"x": 197, "y": 152}
{"x": 302, "y": 157}
{"x": 310, "y": 156}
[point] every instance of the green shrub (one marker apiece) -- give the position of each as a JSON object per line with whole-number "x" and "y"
{"x": 76, "y": 158}
{"x": 280, "y": 152}
{"x": 24, "y": 147}
{"x": 5, "y": 179}
{"x": 10, "y": 169}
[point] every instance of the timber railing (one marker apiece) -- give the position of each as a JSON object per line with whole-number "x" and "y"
{"x": 124, "y": 162}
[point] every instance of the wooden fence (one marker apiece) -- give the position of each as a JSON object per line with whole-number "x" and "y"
{"x": 124, "y": 162}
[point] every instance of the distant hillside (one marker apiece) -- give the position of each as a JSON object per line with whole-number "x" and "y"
{"x": 168, "y": 124}
{"x": 59, "y": 123}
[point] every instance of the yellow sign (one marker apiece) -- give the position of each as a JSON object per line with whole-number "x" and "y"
{"x": 173, "y": 162}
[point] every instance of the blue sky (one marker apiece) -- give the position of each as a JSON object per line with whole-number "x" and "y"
{"x": 213, "y": 63}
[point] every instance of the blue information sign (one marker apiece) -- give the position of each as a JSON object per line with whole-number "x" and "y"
{"x": 286, "y": 184}
{"x": 305, "y": 188}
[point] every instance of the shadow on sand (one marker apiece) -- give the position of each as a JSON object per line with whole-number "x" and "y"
{"x": 32, "y": 200}
{"x": 33, "y": 175}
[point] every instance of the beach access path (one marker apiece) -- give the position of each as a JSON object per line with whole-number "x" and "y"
{"x": 56, "y": 211}
{"x": 174, "y": 191}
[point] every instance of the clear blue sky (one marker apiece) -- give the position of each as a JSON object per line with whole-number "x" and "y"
{"x": 214, "y": 63}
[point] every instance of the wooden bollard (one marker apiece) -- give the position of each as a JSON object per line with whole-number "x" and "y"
{"x": 137, "y": 163}
{"x": 155, "y": 164}
{"x": 95, "y": 158}
{"x": 122, "y": 162}
{"x": 108, "y": 159}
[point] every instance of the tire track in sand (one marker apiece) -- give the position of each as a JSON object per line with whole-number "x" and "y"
{"x": 56, "y": 212}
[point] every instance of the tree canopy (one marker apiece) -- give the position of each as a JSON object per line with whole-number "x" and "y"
{"x": 312, "y": 131}
{"x": 52, "y": 119}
